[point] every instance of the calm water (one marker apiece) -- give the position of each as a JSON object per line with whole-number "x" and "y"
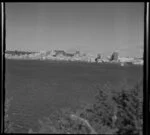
{"x": 38, "y": 87}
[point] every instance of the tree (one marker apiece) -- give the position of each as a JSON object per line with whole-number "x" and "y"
{"x": 114, "y": 56}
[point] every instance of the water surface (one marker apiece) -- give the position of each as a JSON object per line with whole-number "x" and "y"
{"x": 38, "y": 87}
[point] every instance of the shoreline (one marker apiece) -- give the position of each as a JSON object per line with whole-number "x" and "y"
{"x": 78, "y": 62}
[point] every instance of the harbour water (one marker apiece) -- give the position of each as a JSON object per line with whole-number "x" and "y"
{"x": 39, "y": 87}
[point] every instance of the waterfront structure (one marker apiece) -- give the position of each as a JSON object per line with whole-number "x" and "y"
{"x": 77, "y": 56}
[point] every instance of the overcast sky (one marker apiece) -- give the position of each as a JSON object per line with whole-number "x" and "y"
{"x": 88, "y": 27}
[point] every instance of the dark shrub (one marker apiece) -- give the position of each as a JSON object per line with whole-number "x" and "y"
{"x": 114, "y": 112}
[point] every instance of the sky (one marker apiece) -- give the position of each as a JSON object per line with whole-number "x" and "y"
{"x": 88, "y": 27}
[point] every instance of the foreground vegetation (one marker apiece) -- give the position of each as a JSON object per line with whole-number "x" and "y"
{"x": 7, "y": 123}
{"x": 113, "y": 112}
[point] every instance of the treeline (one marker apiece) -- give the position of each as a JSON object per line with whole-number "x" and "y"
{"x": 15, "y": 52}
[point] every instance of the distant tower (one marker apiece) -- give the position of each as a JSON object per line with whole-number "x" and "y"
{"x": 114, "y": 56}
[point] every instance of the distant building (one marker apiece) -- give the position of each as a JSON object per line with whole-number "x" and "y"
{"x": 53, "y": 52}
{"x": 59, "y": 52}
{"x": 47, "y": 53}
{"x": 62, "y": 53}
{"x": 69, "y": 54}
{"x": 77, "y": 54}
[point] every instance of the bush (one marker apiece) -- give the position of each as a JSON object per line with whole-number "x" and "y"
{"x": 61, "y": 122}
{"x": 120, "y": 112}
{"x": 112, "y": 113}
{"x": 130, "y": 112}
{"x": 101, "y": 113}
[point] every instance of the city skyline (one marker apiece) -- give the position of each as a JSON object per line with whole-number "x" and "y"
{"x": 87, "y": 27}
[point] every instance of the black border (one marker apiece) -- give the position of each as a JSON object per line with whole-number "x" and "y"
{"x": 73, "y": 1}
{"x": 146, "y": 102}
{"x": 3, "y": 41}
